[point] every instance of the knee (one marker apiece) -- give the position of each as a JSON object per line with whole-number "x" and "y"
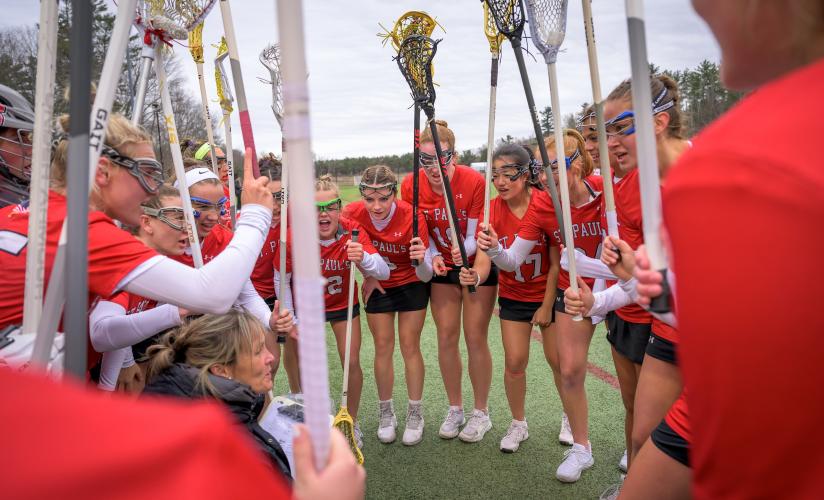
{"x": 572, "y": 377}
{"x": 448, "y": 340}
{"x": 629, "y": 402}
{"x": 515, "y": 366}
{"x": 384, "y": 347}
{"x": 410, "y": 350}
{"x": 477, "y": 343}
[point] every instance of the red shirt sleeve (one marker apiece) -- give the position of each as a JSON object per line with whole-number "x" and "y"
{"x": 113, "y": 254}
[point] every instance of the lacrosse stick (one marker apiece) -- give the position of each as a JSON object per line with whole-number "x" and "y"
{"x": 343, "y": 421}
{"x": 598, "y": 104}
{"x": 509, "y": 18}
{"x": 196, "y": 48}
{"x": 495, "y": 40}
{"x": 270, "y": 58}
{"x": 415, "y": 62}
{"x": 314, "y": 371}
{"x": 224, "y": 94}
{"x": 237, "y": 76}
{"x": 41, "y": 151}
{"x": 146, "y": 60}
{"x": 104, "y": 98}
{"x": 412, "y": 23}
{"x": 648, "y": 178}
{"x": 547, "y": 25}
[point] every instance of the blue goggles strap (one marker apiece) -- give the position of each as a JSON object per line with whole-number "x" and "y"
{"x": 220, "y": 205}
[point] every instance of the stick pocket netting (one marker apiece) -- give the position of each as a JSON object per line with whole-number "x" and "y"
{"x": 547, "y": 26}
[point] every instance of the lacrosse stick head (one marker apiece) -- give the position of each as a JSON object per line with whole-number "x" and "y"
{"x": 344, "y": 423}
{"x": 188, "y": 13}
{"x": 509, "y": 17}
{"x": 415, "y": 62}
{"x": 196, "y": 43}
{"x": 224, "y": 91}
{"x": 410, "y": 23}
{"x": 270, "y": 58}
{"x": 547, "y": 26}
{"x": 493, "y": 36}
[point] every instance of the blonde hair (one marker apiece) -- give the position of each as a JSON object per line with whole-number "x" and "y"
{"x": 378, "y": 175}
{"x": 325, "y": 183}
{"x": 573, "y": 140}
{"x": 204, "y": 342}
{"x": 119, "y": 133}
{"x": 445, "y": 134}
{"x": 658, "y": 83}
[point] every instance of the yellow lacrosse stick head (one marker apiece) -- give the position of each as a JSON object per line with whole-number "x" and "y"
{"x": 344, "y": 423}
{"x": 196, "y": 43}
{"x": 414, "y": 22}
{"x": 494, "y": 37}
{"x": 222, "y": 96}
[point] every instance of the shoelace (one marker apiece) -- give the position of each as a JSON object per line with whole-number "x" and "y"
{"x": 454, "y": 416}
{"x": 386, "y": 416}
{"x": 474, "y": 423}
{"x": 515, "y": 430}
{"x": 414, "y": 416}
{"x": 573, "y": 451}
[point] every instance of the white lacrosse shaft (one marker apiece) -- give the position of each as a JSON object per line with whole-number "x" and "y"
{"x": 563, "y": 186}
{"x": 648, "y": 175}
{"x": 41, "y": 153}
{"x": 177, "y": 156}
{"x": 207, "y": 117}
{"x": 146, "y": 61}
{"x": 226, "y": 100}
{"x": 104, "y": 98}
{"x": 347, "y": 345}
{"x": 237, "y": 76}
{"x": 490, "y": 134}
{"x": 598, "y": 104}
{"x": 284, "y": 222}
{"x": 314, "y": 370}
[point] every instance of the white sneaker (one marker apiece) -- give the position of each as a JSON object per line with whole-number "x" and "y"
{"x": 516, "y": 434}
{"x": 623, "y": 463}
{"x": 577, "y": 459}
{"x": 451, "y": 425}
{"x": 611, "y": 493}
{"x": 358, "y": 436}
{"x": 413, "y": 434}
{"x": 479, "y": 424}
{"x": 565, "y": 436}
{"x": 387, "y": 423}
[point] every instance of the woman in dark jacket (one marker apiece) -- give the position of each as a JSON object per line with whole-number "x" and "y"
{"x": 223, "y": 357}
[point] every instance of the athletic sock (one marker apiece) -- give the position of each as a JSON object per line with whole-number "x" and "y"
{"x": 519, "y": 422}
{"x": 456, "y": 408}
{"x": 414, "y": 402}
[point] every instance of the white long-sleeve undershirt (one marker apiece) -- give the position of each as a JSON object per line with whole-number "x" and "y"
{"x": 587, "y": 266}
{"x": 110, "y": 367}
{"x": 511, "y": 258}
{"x": 214, "y": 287}
{"x": 110, "y": 328}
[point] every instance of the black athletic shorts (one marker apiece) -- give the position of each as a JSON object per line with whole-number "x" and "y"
{"x": 340, "y": 314}
{"x": 517, "y": 310}
{"x": 663, "y": 349}
{"x": 270, "y": 302}
{"x": 559, "y": 301}
{"x": 452, "y": 277}
{"x": 409, "y": 297}
{"x": 671, "y": 443}
{"x": 629, "y": 339}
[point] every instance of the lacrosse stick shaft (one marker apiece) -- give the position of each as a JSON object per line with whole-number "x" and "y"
{"x": 448, "y": 199}
{"x": 490, "y": 135}
{"x": 207, "y": 117}
{"x": 230, "y": 165}
{"x": 146, "y": 61}
{"x": 41, "y": 151}
{"x": 598, "y": 104}
{"x": 284, "y": 224}
{"x": 539, "y": 136}
{"x": 177, "y": 157}
{"x": 348, "y": 341}
{"x": 416, "y": 171}
{"x": 104, "y": 98}
{"x": 237, "y": 76}
{"x": 648, "y": 177}
{"x": 560, "y": 156}
{"x": 314, "y": 370}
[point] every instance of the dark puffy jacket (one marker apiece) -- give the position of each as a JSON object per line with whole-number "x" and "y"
{"x": 179, "y": 380}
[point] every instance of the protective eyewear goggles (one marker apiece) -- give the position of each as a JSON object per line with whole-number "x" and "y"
{"x": 511, "y": 171}
{"x": 329, "y": 206}
{"x": 171, "y": 216}
{"x": 624, "y": 123}
{"x": 201, "y": 205}
{"x": 279, "y": 196}
{"x": 148, "y": 171}
{"x": 383, "y": 190}
{"x": 553, "y": 165}
{"x": 24, "y": 140}
{"x": 430, "y": 161}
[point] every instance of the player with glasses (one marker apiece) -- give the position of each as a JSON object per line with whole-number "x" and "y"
{"x": 16, "y": 125}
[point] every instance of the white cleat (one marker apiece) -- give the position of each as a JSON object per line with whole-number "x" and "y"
{"x": 387, "y": 423}
{"x": 451, "y": 425}
{"x": 577, "y": 459}
{"x": 515, "y": 435}
{"x": 623, "y": 463}
{"x": 478, "y": 425}
{"x": 565, "y": 435}
{"x": 413, "y": 433}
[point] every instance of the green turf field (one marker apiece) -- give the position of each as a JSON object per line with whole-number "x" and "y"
{"x": 437, "y": 468}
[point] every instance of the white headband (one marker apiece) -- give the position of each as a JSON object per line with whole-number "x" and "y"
{"x": 196, "y": 175}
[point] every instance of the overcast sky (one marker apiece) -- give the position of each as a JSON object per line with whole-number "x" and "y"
{"x": 359, "y": 100}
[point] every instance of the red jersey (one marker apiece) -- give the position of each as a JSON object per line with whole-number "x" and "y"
{"x": 133, "y": 303}
{"x": 263, "y": 276}
{"x": 113, "y": 254}
{"x": 528, "y": 282}
{"x": 334, "y": 266}
{"x": 678, "y": 418}
{"x": 665, "y": 331}
{"x": 92, "y": 441}
{"x": 392, "y": 242}
{"x": 630, "y": 229}
{"x": 468, "y": 191}
{"x": 210, "y": 246}
{"x": 755, "y": 363}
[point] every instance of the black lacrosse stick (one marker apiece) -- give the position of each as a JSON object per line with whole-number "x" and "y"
{"x": 415, "y": 62}
{"x": 510, "y": 17}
